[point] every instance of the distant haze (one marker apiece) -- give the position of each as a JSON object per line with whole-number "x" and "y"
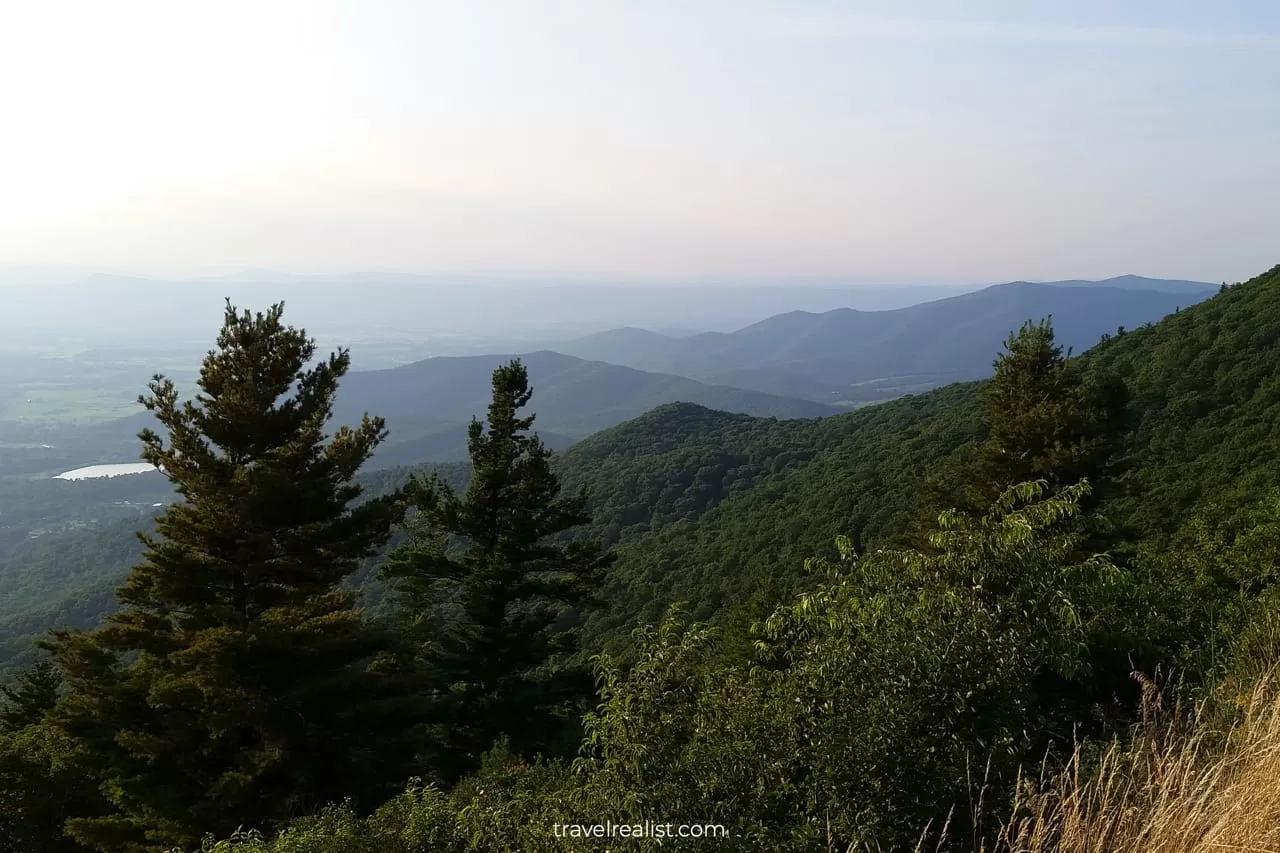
{"x": 877, "y": 141}
{"x": 116, "y": 309}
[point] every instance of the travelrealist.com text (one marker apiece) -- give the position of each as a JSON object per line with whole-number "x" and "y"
{"x": 646, "y": 829}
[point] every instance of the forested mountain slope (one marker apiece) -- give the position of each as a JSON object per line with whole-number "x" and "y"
{"x": 859, "y": 480}
{"x": 1206, "y": 404}
{"x": 855, "y": 356}
{"x": 679, "y": 460}
{"x": 670, "y": 464}
{"x": 714, "y": 508}
{"x": 650, "y": 479}
{"x": 1203, "y": 437}
{"x": 65, "y": 578}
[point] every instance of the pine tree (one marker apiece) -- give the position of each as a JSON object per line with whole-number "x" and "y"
{"x": 491, "y": 586}
{"x": 1057, "y": 421}
{"x": 234, "y": 687}
{"x": 42, "y": 776}
{"x": 1045, "y": 417}
{"x": 26, "y": 701}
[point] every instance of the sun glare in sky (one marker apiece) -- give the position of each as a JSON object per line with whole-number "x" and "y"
{"x": 878, "y": 141}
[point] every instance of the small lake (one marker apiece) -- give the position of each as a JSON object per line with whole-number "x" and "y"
{"x": 93, "y": 472}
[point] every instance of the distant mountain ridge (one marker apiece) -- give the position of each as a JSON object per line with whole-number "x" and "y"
{"x": 1138, "y": 282}
{"x": 107, "y": 307}
{"x": 428, "y": 404}
{"x": 849, "y": 356}
{"x": 794, "y": 364}
{"x": 573, "y": 398}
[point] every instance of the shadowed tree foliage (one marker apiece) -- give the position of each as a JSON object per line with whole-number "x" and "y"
{"x": 1044, "y": 418}
{"x": 871, "y": 708}
{"x": 1058, "y": 422}
{"x": 492, "y": 588}
{"x": 26, "y": 701}
{"x": 45, "y": 776}
{"x": 234, "y": 687}
{"x": 42, "y": 778}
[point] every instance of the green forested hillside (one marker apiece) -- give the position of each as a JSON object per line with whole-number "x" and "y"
{"x": 1204, "y": 426}
{"x": 32, "y": 507}
{"x": 1204, "y": 436}
{"x": 67, "y": 576}
{"x": 64, "y": 578}
{"x": 855, "y": 475}
{"x": 882, "y": 618}
{"x": 679, "y": 460}
{"x": 672, "y": 463}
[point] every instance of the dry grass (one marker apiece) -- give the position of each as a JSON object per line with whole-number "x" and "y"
{"x": 1183, "y": 785}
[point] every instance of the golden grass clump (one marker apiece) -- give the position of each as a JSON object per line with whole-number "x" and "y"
{"x": 1186, "y": 783}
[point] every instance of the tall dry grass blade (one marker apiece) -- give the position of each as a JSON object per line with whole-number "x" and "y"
{"x": 1183, "y": 785}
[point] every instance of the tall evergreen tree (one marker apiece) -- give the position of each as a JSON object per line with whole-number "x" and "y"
{"x": 492, "y": 586}
{"x": 1051, "y": 419}
{"x": 33, "y": 693}
{"x": 234, "y": 687}
{"x": 1044, "y": 418}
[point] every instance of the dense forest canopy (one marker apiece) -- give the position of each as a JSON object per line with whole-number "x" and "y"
{"x": 822, "y": 634}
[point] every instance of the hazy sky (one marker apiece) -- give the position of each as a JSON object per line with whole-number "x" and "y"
{"x": 883, "y": 141}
